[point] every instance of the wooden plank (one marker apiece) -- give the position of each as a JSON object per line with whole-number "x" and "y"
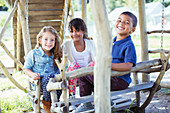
{"x": 37, "y": 30}
{"x": 46, "y": 1}
{"x": 46, "y": 6}
{"x": 90, "y": 98}
{"x": 123, "y": 106}
{"x": 41, "y": 24}
{"x": 143, "y": 36}
{"x": 53, "y": 12}
{"x": 40, "y": 18}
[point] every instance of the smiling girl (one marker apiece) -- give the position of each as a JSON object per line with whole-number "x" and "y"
{"x": 39, "y": 63}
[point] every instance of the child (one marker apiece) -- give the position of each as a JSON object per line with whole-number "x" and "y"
{"x": 123, "y": 50}
{"x": 123, "y": 57}
{"x": 80, "y": 50}
{"x": 40, "y": 64}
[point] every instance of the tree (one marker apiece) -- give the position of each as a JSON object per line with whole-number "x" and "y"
{"x": 112, "y": 4}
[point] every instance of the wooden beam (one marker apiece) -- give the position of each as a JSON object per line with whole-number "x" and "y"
{"x": 45, "y": 1}
{"x": 24, "y": 23}
{"x": 84, "y": 10}
{"x": 8, "y": 19}
{"x": 10, "y": 55}
{"x": 45, "y": 6}
{"x": 143, "y": 35}
{"x": 7, "y": 74}
{"x": 158, "y": 31}
{"x": 102, "y": 69}
{"x": 89, "y": 70}
{"x": 18, "y": 38}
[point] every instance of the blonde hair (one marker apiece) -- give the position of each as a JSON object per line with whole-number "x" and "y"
{"x": 56, "y": 50}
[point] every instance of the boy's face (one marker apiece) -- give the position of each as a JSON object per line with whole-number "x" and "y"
{"x": 124, "y": 25}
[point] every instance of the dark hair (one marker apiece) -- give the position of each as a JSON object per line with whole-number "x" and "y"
{"x": 78, "y": 24}
{"x": 131, "y": 15}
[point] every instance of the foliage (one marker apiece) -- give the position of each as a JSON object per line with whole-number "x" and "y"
{"x": 131, "y": 3}
{"x": 14, "y": 102}
{"x": 2, "y": 22}
{"x": 3, "y": 5}
{"x": 2, "y": 2}
{"x": 166, "y": 4}
{"x": 112, "y": 4}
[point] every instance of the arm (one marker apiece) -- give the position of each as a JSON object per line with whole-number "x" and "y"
{"x": 121, "y": 66}
{"x": 31, "y": 74}
{"x": 29, "y": 63}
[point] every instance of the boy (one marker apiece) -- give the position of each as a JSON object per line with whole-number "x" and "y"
{"x": 123, "y": 49}
{"x": 123, "y": 58}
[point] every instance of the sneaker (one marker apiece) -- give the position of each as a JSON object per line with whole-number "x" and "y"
{"x": 84, "y": 107}
{"x": 72, "y": 107}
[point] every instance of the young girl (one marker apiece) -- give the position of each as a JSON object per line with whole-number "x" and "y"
{"x": 40, "y": 64}
{"x": 81, "y": 52}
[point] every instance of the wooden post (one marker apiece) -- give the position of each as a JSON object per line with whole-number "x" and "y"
{"x": 8, "y": 19}
{"x": 7, "y": 74}
{"x": 26, "y": 37}
{"x": 64, "y": 20}
{"x": 84, "y": 10}
{"x": 102, "y": 69}
{"x": 18, "y": 38}
{"x": 143, "y": 36}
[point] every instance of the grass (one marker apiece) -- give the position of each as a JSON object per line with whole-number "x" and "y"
{"x": 154, "y": 42}
{"x": 14, "y": 101}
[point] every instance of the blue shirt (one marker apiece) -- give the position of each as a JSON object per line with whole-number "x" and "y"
{"x": 38, "y": 62}
{"x": 123, "y": 51}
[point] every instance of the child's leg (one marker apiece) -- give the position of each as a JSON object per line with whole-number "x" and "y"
{"x": 118, "y": 84}
{"x": 86, "y": 83}
{"x": 46, "y": 95}
{"x": 73, "y": 82}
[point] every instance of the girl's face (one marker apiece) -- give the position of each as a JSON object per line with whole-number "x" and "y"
{"x": 124, "y": 25}
{"x": 47, "y": 41}
{"x": 76, "y": 35}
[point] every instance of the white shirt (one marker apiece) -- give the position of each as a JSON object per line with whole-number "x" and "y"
{"x": 69, "y": 49}
{"x": 82, "y": 58}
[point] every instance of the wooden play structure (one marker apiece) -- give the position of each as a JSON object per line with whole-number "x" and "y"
{"x": 29, "y": 16}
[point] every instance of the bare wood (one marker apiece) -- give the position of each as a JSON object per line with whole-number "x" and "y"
{"x": 165, "y": 85}
{"x": 53, "y": 12}
{"x": 137, "y": 93}
{"x": 37, "y": 30}
{"x": 133, "y": 88}
{"x": 37, "y": 96}
{"x": 53, "y": 85}
{"x": 155, "y": 87}
{"x": 158, "y": 31}
{"x": 84, "y": 10}
{"x": 72, "y": 11}
{"x": 41, "y": 24}
{"x": 18, "y": 38}
{"x": 48, "y": 6}
{"x": 143, "y": 36}
{"x": 102, "y": 69}
{"x": 26, "y": 37}
{"x": 64, "y": 19}
{"x": 8, "y": 19}
{"x": 45, "y": 17}
{"x": 32, "y": 81}
{"x": 7, "y": 74}
{"x": 62, "y": 66}
{"x": 89, "y": 70}
{"x": 10, "y": 55}
{"x": 158, "y": 51}
{"x": 46, "y": 1}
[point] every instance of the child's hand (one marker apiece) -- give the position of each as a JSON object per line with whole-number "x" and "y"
{"x": 36, "y": 76}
